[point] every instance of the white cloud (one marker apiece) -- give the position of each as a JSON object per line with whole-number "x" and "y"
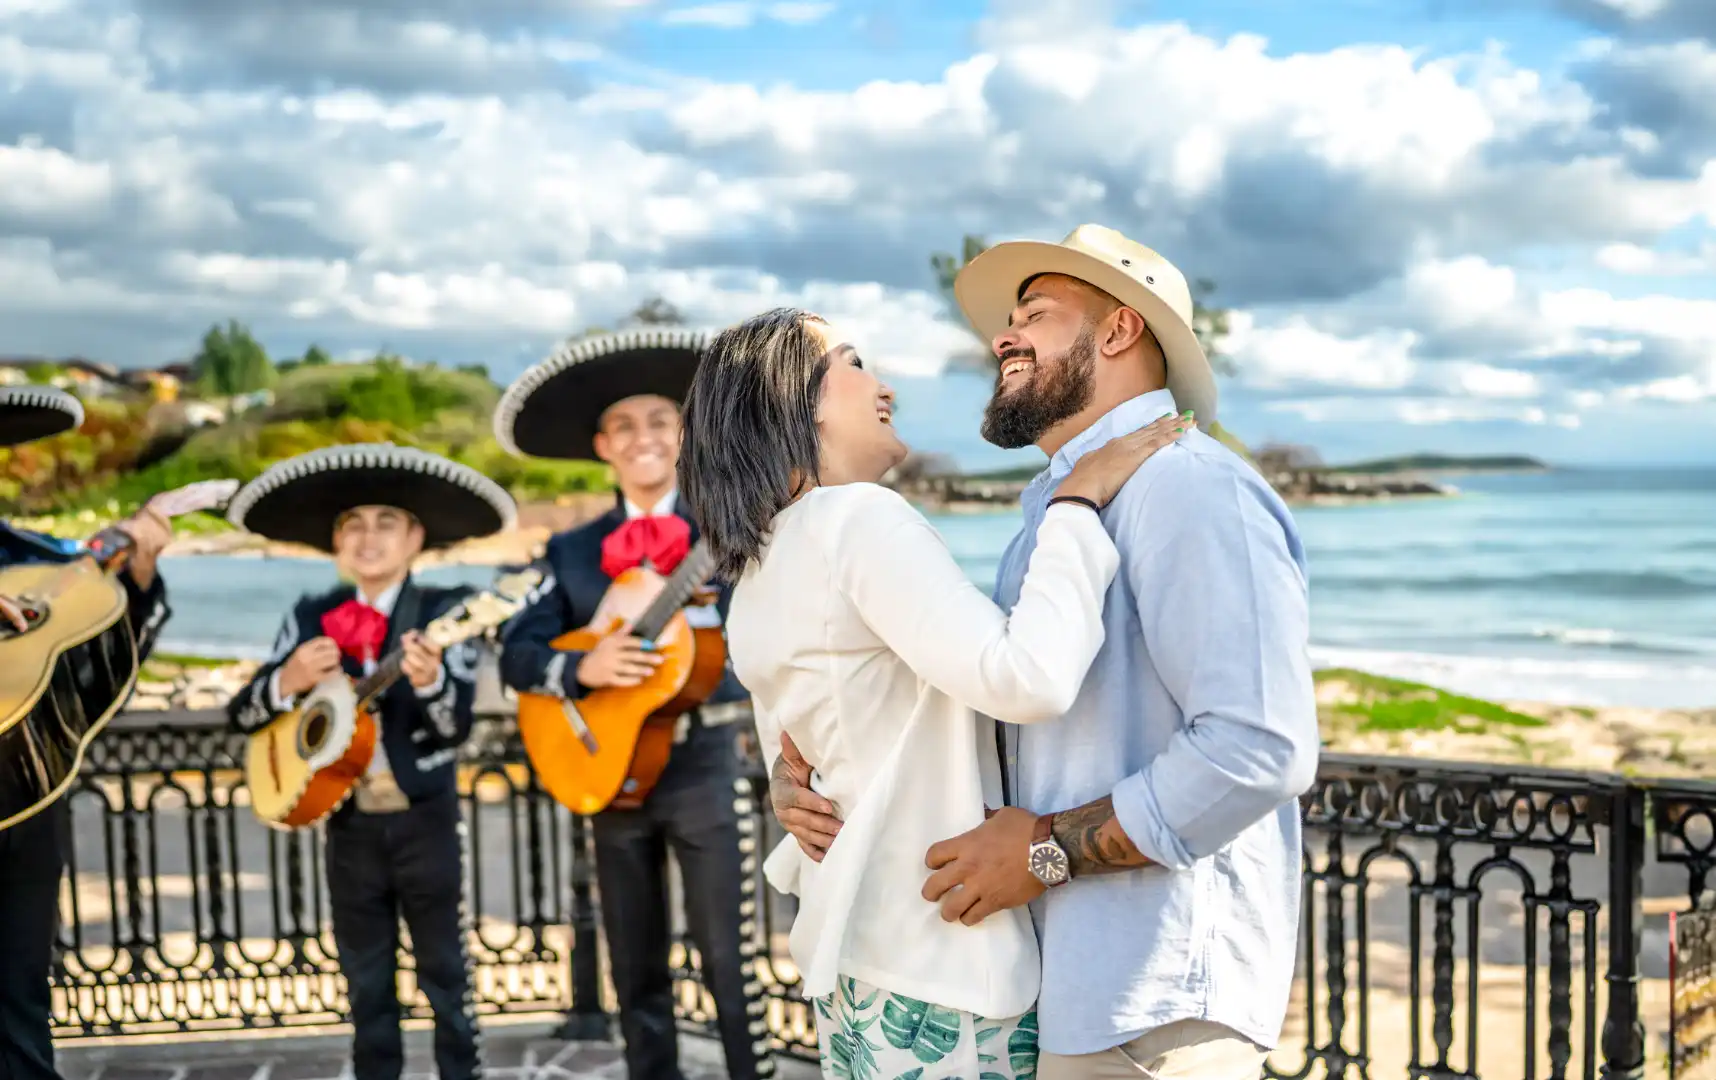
{"x": 1383, "y": 217}
{"x": 739, "y": 14}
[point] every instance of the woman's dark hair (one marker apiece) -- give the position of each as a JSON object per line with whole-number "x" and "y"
{"x": 750, "y": 441}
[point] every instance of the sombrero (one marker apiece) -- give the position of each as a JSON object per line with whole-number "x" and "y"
{"x": 299, "y": 500}
{"x": 28, "y": 413}
{"x": 988, "y": 289}
{"x": 552, "y": 410}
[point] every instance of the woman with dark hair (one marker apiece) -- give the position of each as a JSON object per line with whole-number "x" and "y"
{"x": 863, "y": 641}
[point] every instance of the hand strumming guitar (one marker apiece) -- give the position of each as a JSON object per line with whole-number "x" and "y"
{"x": 12, "y": 613}
{"x": 308, "y": 665}
{"x": 617, "y": 660}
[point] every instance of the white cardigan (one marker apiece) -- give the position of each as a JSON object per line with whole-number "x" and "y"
{"x": 859, "y": 635}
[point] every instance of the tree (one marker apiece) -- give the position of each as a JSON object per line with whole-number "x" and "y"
{"x": 1210, "y": 324}
{"x": 316, "y": 356}
{"x": 655, "y": 311}
{"x": 231, "y": 361}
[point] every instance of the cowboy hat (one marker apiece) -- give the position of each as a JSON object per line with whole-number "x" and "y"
{"x": 28, "y": 413}
{"x": 554, "y": 409}
{"x": 301, "y": 499}
{"x": 988, "y": 289}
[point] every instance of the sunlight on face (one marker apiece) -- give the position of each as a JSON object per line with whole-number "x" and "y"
{"x": 377, "y": 542}
{"x": 854, "y": 414}
{"x": 639, "y": 437}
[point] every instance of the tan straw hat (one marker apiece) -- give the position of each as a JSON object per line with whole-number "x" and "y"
{"x": 988, "y": 289}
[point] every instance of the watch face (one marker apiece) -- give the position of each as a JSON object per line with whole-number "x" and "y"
{"x": 1049, "y": 862}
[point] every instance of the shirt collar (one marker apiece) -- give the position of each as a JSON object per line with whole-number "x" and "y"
{"x": 384, "y": 603}
{"x": 1124, "y": 418}
{"x": 665, "y": 506}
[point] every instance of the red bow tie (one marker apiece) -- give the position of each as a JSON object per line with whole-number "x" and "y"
{"x": 663, "y": 539}
{"x": 357, "y": 629}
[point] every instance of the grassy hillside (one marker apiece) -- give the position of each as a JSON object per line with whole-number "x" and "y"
{"x": 107, "y": 468}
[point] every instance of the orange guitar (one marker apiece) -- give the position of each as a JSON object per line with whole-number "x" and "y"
{"x": 608, "y": 748}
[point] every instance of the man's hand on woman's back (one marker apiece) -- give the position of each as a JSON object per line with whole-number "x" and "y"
{"x": 802, "y": 812}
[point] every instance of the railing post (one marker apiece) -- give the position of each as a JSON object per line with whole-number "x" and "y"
{"x": 1623, "y": 1031}
{"x": 586, "y": 1020}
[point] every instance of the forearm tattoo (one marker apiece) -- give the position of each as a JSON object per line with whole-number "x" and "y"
{"x": 1094, "y": 841}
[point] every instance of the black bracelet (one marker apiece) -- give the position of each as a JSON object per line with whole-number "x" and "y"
{"x": 1080, "y": 499}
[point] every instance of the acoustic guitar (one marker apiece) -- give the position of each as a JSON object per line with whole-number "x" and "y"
{"x": 307, "y": 761}
{"x": 608, "y": 748}
{"x": 74, "y": 664}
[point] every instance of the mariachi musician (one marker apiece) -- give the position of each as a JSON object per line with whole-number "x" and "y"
{"x": 33, "y": 851}
{"x": 615, "y": 398}
{"x": 396, "y": 848}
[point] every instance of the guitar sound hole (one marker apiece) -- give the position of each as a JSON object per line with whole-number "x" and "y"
{"x": 315, "y": 732}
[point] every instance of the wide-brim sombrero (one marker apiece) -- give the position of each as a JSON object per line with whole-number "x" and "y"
{"x": 28, "y": 413}
{"x": 299, "y": 500}
{"x": 988, "y": 289}
{"x": 553, "y": 410}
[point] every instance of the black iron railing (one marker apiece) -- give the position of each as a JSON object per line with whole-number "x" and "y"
{"x": 1459, "y": 921}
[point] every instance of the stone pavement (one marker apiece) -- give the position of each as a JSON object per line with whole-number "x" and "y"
{"x": 511, "y": 1051}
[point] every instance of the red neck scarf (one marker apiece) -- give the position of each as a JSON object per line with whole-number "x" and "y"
{"x": 357, "y": 629}
{"x": 662, "y": 539}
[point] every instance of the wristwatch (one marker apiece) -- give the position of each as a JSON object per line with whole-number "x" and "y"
{"x": 1048, "y": 858}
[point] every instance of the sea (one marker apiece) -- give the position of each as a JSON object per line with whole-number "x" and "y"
{"x": 1585, "y": 586}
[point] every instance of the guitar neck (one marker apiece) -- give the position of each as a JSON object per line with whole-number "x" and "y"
{"x": 386, "y": 673}
{"x": 686, "y": 580}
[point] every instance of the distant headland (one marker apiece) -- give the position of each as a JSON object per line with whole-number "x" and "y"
{"x": 1296, "y": 472}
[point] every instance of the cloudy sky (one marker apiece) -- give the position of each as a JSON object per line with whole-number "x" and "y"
{"x": 1457, "y": 224}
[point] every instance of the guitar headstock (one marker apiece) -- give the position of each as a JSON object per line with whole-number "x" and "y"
{"x": 486, "y": 610}
{"x": 202, "y": 495}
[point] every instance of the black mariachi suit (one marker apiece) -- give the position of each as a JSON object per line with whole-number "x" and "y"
{"x": 33, "y": 853}
{"x": 691, "y": 809}
{"x": 410, "y": 863}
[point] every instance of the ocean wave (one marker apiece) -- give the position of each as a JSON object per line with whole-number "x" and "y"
{"x": 1602, "y": 584}
{"x": 1598, "y": 637}
{"x": 1566, "y": 680}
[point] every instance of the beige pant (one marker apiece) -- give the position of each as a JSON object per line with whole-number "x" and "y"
{"x": 1183, "y": 1050}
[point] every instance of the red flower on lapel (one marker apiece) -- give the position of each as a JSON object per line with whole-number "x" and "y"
{"x": 663, "y": 539}
{"x": 357, "y": 629}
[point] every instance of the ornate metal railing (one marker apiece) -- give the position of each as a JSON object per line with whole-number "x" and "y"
{"x": 1459, "y": 920}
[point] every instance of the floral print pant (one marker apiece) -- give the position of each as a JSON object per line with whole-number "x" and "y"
{"x": 866, "y": 1033}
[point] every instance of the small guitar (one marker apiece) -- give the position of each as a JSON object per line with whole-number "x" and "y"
{"x": 308, "y": 761}
{"x": 74, "y": 664}
{"x": 609, "y": 747}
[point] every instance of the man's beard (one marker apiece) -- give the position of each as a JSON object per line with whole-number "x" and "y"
{"x": 1053, "y": 392}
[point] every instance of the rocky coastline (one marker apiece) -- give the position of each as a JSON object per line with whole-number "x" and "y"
{"x": 978, "y": 494}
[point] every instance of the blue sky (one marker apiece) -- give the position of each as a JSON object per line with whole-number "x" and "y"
{"x": 1440, "y": 223}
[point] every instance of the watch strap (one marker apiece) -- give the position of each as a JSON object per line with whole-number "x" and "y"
{"x": 1044, "y": 830}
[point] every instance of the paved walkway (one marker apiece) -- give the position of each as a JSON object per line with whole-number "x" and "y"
{"x": 511, "y": 1052}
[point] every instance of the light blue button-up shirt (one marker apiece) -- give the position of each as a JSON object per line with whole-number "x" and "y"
{"x": 1200, "y": 718}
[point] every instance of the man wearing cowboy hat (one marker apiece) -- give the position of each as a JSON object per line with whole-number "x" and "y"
{"x": 616, "y": 398}
{"x": 396, "y": 849}
{"x": 33, "y": 851}
{"x": 1154, "y": 828}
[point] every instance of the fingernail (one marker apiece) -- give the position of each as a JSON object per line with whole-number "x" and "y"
{"x": 1181, "y": 429}
{"x": 1188, "y": 414}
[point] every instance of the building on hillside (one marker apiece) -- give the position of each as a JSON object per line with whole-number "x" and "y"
{"x": 86, "y": 378}
{"x": 166, "y": 383}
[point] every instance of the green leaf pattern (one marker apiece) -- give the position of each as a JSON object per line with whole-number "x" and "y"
{"x": 870, "y": 1034}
